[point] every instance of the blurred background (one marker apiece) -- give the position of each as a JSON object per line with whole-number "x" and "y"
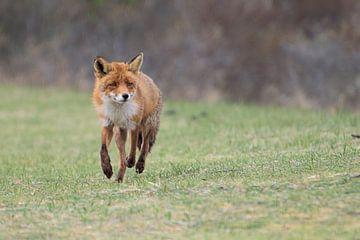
{"x": 284, "y": 52}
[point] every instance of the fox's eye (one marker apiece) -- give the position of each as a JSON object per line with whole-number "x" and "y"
{"x": 113, "y": 84}
{"x": 130, "y": 85}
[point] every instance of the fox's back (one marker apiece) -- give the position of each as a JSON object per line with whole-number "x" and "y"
{"x": 150, "y": 94}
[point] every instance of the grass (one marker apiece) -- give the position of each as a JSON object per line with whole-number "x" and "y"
{"x": 220, "y": 170}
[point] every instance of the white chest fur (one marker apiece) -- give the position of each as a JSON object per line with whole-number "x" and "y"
{"x": 119, "y": 114}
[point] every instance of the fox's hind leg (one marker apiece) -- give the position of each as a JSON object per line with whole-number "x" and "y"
{"x": 139, "y": 141}
{"x": 149, "y": 132}
{"x": 130, "y": 160}
{"x": 140, "y": 164}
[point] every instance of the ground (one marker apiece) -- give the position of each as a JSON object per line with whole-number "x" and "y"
{"x": 217, "y": 171}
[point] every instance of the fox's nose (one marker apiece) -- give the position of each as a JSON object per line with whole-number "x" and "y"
{"x": 125, "y": 96}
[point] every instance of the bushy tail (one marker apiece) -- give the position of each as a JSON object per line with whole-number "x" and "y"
{"x": 154, "y": 123}
{"x": 152, "y": 127}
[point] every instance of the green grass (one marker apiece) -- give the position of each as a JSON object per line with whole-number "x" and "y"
{"x": 221, "y": 170}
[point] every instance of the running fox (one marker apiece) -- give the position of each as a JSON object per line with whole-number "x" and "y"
{"x": 126, "y": 100}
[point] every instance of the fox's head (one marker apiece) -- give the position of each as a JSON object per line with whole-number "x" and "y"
{"x": 118, "y": 80}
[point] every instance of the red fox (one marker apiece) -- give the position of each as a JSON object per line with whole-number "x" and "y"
{"x": 126, "y": 100}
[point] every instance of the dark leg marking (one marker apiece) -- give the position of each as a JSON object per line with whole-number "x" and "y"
{"x": 139, "y": 142}
{"x": 140, "y": 165}
{"x": 120, "y": 139}
{"x": 105, "y": 161}
{"x": 130, "y": 162}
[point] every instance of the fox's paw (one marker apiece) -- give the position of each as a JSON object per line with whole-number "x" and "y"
{"x": 130, "y": 162}
{"x": 120, "y": 176}
{"x": 140, "y": 166}
{"x": 107, "y": 169}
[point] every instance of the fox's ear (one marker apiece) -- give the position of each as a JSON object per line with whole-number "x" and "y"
{"x": 136, "y": 62}
{"x": 101, "y": 66}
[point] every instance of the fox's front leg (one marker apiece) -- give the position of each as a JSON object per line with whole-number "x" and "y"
{"x": 106, "y": 136}
{"x": 130, "y": 161}
{"x": 120, "y": 138}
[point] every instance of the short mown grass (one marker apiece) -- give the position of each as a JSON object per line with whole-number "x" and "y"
{"x": 221, "y": 170}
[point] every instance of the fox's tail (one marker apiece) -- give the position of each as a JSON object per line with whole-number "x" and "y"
{"x": 152, "y": 126}
{"x": 154, "y": 122}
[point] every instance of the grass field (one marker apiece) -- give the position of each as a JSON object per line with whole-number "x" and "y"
{"x": 221, "y": 170}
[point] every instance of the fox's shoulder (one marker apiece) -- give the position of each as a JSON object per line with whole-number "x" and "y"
{"x": 148, "y": 82}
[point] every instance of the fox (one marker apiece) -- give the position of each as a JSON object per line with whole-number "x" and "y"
{"x": 126, "y": 101}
